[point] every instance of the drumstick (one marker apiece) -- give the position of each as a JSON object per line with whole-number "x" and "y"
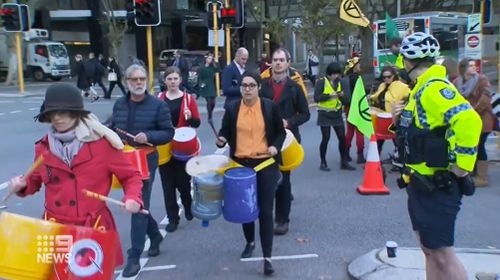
{"x": 28, "y": 172}
{"x": 211, "y": 123}
{"x": 131, "y": 135}
{"x": 110, "y": 200}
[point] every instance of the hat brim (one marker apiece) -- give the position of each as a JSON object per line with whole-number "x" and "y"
{"x": 43, "y": 116}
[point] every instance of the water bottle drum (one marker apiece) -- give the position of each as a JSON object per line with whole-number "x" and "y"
{"x": 207, "y": 198}
{"x": 240, "y": 195}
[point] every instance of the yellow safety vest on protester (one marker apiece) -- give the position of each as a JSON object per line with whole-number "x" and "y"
{"x": 331, "y": 104}
{"x": 399, "y": 62}
{"x": 436, "y": 103}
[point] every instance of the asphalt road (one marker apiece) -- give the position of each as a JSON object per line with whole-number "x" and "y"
{"x": 331, "y": 224}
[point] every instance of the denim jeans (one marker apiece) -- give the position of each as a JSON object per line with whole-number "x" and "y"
{"x": 144, "y": 224}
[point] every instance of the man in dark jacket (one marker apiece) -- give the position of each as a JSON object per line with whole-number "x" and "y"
{"x": 148, "y": 118}
{"x": 95, "y": 71}
{"x": 295, "y": 111}
{"x": 231, "y": 76}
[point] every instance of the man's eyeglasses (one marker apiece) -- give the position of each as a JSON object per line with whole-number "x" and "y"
{"x": 250, "y": 86}
{"x": 137, "y": 79}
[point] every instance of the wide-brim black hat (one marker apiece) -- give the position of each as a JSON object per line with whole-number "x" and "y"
{"x": 61, "y": 97}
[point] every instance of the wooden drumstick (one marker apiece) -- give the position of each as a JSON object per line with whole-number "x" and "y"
{"x": 28, "y": 172}
{"x": 211, "y": 123}
{"x": 131, "y": 135}
{"x": 110, "y": 200}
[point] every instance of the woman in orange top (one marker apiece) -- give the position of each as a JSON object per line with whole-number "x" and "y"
{"x": 254, "y": 130}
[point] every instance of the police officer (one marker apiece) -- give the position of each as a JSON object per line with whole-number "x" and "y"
{"x": 438, "y": 132}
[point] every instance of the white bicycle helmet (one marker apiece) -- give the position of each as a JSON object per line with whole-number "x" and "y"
{"x": 419, "y": 45}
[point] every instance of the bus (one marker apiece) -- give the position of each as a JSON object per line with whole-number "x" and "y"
{"x": 449, "y": 28}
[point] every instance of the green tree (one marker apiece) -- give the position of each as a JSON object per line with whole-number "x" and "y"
{"x": 272, "y": 22}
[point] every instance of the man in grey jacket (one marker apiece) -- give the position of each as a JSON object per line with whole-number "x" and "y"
{"x": 148, "y": 120}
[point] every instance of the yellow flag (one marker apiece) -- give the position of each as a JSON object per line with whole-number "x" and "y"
{"x": 350, "y": 12}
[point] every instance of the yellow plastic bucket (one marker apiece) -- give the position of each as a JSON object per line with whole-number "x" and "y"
{"x": 292, "y": 153}
{"x": 164, "y": 153}
{"x": 24, "y": 245}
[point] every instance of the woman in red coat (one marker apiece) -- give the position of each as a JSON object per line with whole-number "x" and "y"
{"x": 184, "y": 112}
{"x": 79, "y": 153}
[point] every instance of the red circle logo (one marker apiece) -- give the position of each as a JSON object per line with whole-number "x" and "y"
{"x": 473, "y": 41}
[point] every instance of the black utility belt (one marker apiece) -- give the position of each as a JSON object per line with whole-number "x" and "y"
{"x": 442, "y": 181}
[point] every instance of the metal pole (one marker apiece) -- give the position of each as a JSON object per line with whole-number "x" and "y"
{"x": 228, "y": 38}
{"x": 398, "y": 8}
{"x": 149, "y": 42}
{"x": 216, "y": 46}
{"x": 20, "y": 76}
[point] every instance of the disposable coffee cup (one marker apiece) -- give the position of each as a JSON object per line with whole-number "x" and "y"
{"x": 392, "y": 248}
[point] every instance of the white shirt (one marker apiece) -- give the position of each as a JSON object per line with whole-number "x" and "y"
{"x": 241, "y": 69}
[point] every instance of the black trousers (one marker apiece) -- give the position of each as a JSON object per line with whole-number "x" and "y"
{"x": 267, "y": 179}
{"x": 283, "y": 199}
{"x": 325, "y": 137}
{"x": 174, "y": 177}
{"x": 112, "y": 85}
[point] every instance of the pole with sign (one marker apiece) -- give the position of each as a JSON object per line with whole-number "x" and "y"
{"x": 216, "y": 47}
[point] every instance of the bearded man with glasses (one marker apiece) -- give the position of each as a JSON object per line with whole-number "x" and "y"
{"x": 147, "y": 120}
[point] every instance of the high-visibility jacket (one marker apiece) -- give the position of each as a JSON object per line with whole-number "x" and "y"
{"x": 292, "y": 74}
{"x": 435, "y": 103}
{"x": 399, "y": 62}
{"x": 331, "y": 104}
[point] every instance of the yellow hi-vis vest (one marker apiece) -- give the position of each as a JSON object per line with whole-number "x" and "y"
{"x": 331, "y": 104}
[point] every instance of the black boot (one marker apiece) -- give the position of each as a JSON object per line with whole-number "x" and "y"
{"x": 248, "y": 251}
{"x": 361, "y": 158}
{"x": 268, "y": 267}
{"x": 324, "y": 167}
{"x": 154, "y": 248}
{"x": 132, "y": 268}
{"x": 346, "y": 165}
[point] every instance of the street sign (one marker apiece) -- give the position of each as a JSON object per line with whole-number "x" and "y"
{"x": 473, "y": 46}
{"x": 474, "y": 23}
{"x": 211, "y": 41}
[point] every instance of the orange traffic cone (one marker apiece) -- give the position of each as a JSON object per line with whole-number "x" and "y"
{"x": 373, "y": 182}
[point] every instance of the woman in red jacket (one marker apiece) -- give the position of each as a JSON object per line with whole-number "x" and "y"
{"x": 79, "y": 153}
{"x": 184, "y": 112}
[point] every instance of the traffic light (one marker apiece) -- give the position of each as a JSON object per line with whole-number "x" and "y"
{"x": 239, "y": 7}
{"x": 228, "y": 15}
{"x": 11, "y": 17}
{"x": 210, "y": 16}
{"x": 147, "y": 12}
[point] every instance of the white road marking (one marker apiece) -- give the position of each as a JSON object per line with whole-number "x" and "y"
{"x": 15, "y": 112}
{"x": 153, "y": 268}
{"x": 7, "y": 101}
{"x": 291, "y": 257}
{"x": 1, "y": 114}
{"x": 34, "y": 109}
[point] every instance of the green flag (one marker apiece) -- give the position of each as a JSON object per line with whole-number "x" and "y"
{"x": 391, "y": 30}
{"x": 359, "y": 112}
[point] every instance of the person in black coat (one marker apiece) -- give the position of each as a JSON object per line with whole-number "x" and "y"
{"x": 83, "y": 81}
{"x": 291, "y": 100}
{"x": 113, "y": 67}
{"x": 183, "y": 65}
{"x": 95, "y": 71}
{"x": 253, "y": 128}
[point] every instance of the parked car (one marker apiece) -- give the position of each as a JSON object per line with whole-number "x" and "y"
{"x": 195, "y": 59}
